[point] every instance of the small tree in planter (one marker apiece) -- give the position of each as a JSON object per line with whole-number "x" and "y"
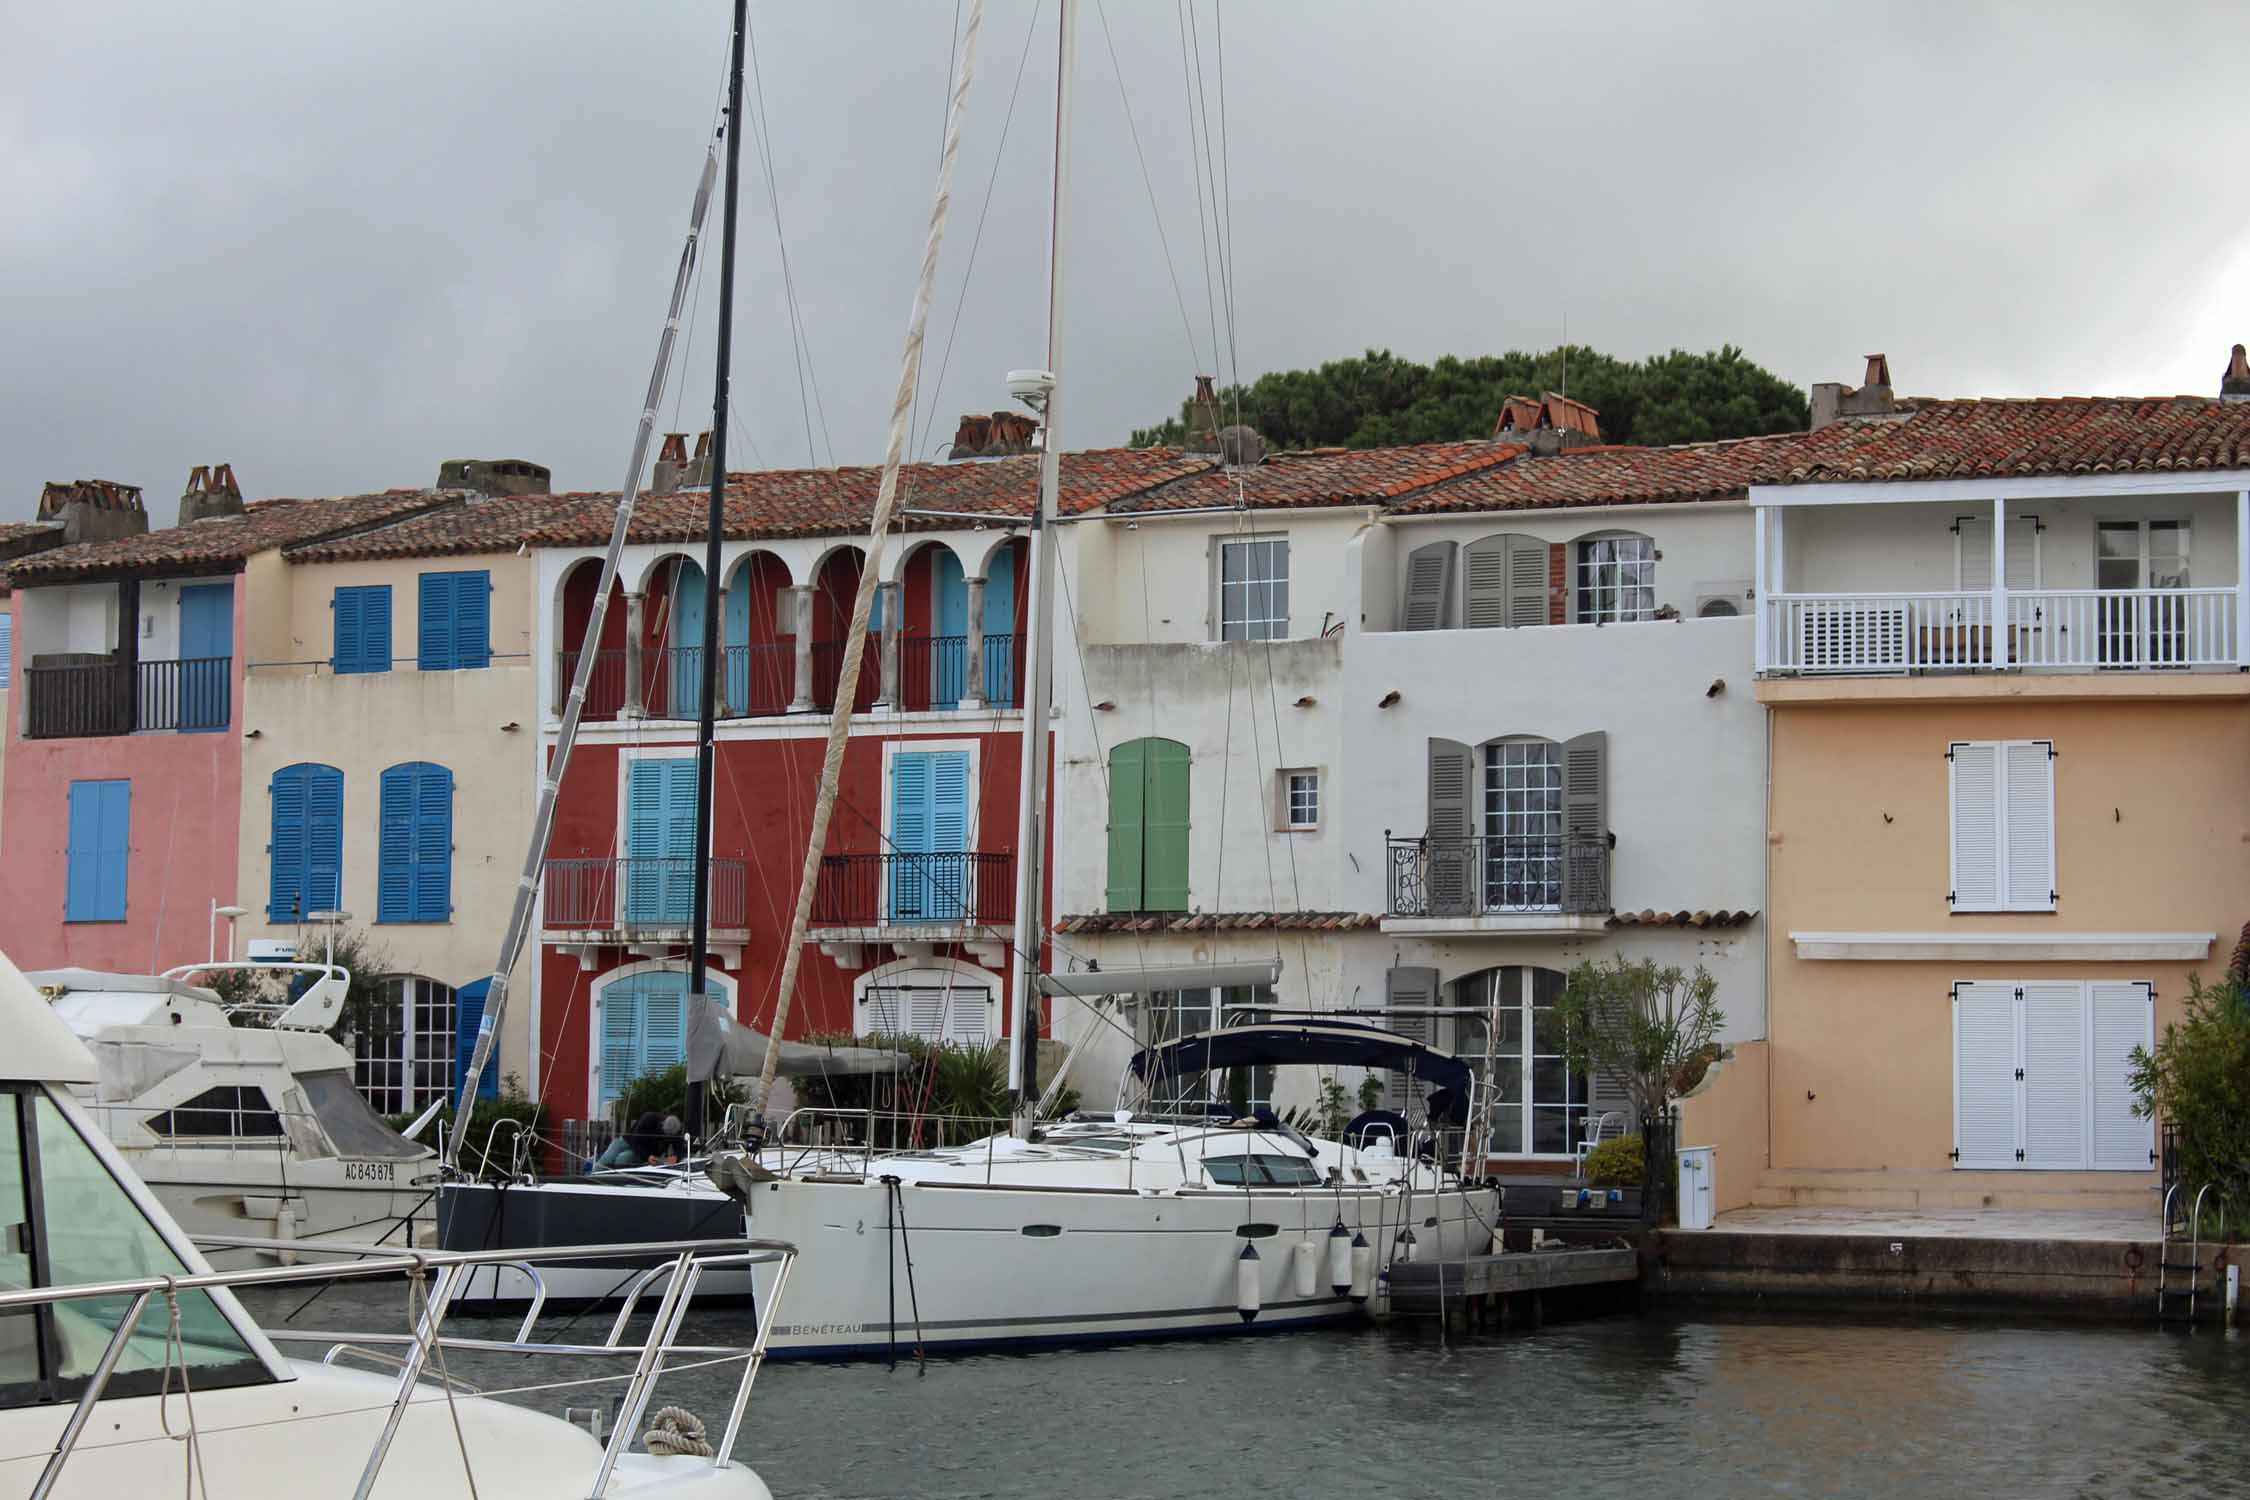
{"x": 2199, "y": 1077}
{"x": 1652, "y": 1031}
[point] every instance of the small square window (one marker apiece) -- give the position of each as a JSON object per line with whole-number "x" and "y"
{"x": 1298, "y": 805}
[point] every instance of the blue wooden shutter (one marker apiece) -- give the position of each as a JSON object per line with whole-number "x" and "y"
{"x": 324, "y": 838}
{"x": 949, "y": 832}
{"x": 363, "y": 629}
{"x": 949, "y": 620}
{"x": 433, "y": 843}
{"x": 472, "y": 619}
{"x": 468, "y": 1015}
{"x": 644, "y": 839}
{"x": 910, "y": 835}
{"x": 94, "y": 877}
{"x": 394, "y": 856}
{"x": 679, "y": 839}
{"x": 1000, "y": 628}
{"x": 621, "y": 1041}
{"x": 664, "y": 1022}
{"x": 285, "y": 850}
{"x": 437, "y": 650}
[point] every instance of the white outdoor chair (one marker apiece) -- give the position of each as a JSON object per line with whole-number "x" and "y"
{"x": 1607, "y": 1125}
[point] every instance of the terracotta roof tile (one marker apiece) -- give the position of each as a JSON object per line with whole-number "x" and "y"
{"x": 1325, "y": 476}
{"x": 480, "y": 523}
{"x": 1095, "y": 923}
{"x": 1681, "y": 919}
{"x": 221, "y": 545}
{"x": 822, "y": 502}
{"x": 1616, "y": 476}
{"x": 2049, "y": 435}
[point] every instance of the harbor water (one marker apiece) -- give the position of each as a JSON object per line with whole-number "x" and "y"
{"x": 1658, "y": 1405}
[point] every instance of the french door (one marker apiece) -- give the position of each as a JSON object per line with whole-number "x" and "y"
{"x": 2040, "y": 1070}
{"x": 2135, "y": 624}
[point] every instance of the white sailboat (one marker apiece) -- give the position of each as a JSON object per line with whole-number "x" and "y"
{"x": 127, "y": 1365}
{"x": 242, "y": 1126}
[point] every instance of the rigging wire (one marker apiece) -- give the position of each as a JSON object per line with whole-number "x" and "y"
{"x": 1185, "y": 12}
{"x": 1118, "y": 69}
{"x": 999, "y": 154}
{"x": 762, "y": 135}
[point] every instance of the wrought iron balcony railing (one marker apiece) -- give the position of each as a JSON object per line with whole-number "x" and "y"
{"x": 633, "y": 894}
{"x": 1489, "y": 875}
{"x": 893, "y": 888}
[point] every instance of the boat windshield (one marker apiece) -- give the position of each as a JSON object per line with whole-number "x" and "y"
{"x": 65, "y": 1221}
{"x": 1260, "y": 1171}
{"x": 353, "y": 1128}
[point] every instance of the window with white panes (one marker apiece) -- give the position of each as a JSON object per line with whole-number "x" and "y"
{"x": 1616, "y": 579}
{"x": 1539, "y": 1106}
{"x": 403, "y": 1055}
{"x": 1300, "y": 799}
{"x": 1171, "y": 1014}
{"x": 1523, "y": 825}
{"x": 1254, "y": 590}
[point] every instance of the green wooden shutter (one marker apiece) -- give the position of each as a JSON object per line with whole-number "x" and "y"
{"x": 1164, "y": 842}
{"x": 1127, "y": 799}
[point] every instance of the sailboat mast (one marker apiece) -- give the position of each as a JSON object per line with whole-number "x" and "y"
{"x": 1038, "y": 672}
{"x": 699, "y": 944}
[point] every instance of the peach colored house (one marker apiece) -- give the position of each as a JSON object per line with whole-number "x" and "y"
{"x": 2004, "y": 824}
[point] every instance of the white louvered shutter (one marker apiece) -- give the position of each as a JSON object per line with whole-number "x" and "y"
{"x": 1429, "y": 586}
{"x": 1975, "y": 799}
{"x": 2028, "y": 818}
{"x": 925, "y": 1013}
{"x": 965, "y": 1017}
{"x": 1976, "y": 552}
{"x": 1984, "y": 1075}
{"x": 881, "y": 1012}
{"x": 2054, "y": 1074}
{"x": 2123, "y": 1017}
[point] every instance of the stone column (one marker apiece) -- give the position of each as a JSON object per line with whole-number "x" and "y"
{"x": 972, "y": 695}
{"x": 797, "y": 602}
{"x": 887, "y": 598}
{"x": 634, "y": 700}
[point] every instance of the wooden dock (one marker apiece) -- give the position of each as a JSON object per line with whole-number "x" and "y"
{"x": 1494, "y": 1290}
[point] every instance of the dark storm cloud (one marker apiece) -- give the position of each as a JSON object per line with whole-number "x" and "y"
{"x": 334, "y": 244}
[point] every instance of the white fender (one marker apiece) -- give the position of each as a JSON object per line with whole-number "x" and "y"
{"x": 1363, "y": 1268}
{"x": 1340, "y": 1260}
{"x": 1247, "y": 1292}
{"x": 1305, "y": 1261}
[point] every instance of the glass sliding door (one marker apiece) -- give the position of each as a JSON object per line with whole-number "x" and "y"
{"x": 2138, "y": 623}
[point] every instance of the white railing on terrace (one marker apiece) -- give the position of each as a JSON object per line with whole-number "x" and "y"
{"x": 2046, "y": 629}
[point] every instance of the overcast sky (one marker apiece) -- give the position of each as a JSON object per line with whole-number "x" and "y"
{"x": 333, "y": 244}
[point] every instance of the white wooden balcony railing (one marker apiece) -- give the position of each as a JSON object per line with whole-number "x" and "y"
{"x": 2072, "y": 630}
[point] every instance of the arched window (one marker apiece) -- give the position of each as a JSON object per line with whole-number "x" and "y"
{"x": 305, "y": 855}
{"x": 414, "y": 858}
{"x": 1148, "y": 826}
{"x": 1517, "y": 824}
{"x": 1544, "y": 1106}
{"x": 1615, "y": 578}
{"x": 1716, "y": 608}
{"x": 641, "y": 1016}
{"x": 937, "y": 1002}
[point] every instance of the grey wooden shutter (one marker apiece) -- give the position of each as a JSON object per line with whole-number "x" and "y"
{"x": 1527, "y": 581}
{"x": 1407, "y": 986}
{"x": 1585, "y": 787}
{"x": 1448, "y": 848}
{"x": 1429, "y": 587}
{"x": 1503, "y": 582}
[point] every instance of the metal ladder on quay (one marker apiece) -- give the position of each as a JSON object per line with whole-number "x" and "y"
{"x": 2177, "y": 1304}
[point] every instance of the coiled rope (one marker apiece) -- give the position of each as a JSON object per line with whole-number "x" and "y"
{"x": 676, "y": 1432}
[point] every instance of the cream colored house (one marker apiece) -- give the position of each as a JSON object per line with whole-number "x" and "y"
{"x": 389, "y": 768}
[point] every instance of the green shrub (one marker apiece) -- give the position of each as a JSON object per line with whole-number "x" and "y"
{"x": 1617, "y": 1162}
{"x": 2199, "y": 1079}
